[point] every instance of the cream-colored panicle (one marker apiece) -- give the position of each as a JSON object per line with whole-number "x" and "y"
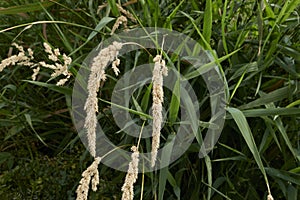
{"x": 159, "y": 71}
{"x": 131, "y": 176}
{"x": 99, "y": 64}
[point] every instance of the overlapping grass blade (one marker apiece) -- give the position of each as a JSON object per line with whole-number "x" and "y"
{"x": 29, "y": 7}
{"x": 244, "y": 128}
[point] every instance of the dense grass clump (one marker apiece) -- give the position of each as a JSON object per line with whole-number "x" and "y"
{"x": 256, "y": 45}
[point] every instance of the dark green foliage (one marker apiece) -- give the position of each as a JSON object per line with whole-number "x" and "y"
{"x": 42, "y": 157}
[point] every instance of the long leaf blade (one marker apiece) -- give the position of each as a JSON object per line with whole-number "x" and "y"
{"x": 243, "y": 126}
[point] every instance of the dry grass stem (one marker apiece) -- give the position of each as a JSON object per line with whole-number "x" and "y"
{"x": 131, "y": 176}
{"x": 91, "y": 174}
{"x": 120, "y": 20}
{"x": 270, "y": 197}
{"x": 159, "y": 70}
{"x": 97, "y": 74}
{"x": 101, "y": 7}
{"x": 126, "y": 13}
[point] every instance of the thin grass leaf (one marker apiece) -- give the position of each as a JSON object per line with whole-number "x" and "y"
{"x": 271, "y": 112}
{"x": 29, "y": 7}
{"x": 60, "y": 32}
{"x": 223, "y": 27}
{"x": 13, "y": 131}
{"x": 233, "y": 158}
{"x": 274, "y": 96}
{"x": 173, "y": 183}
{"x": 206, "y": 67}
{"x": 146, "y": 98}
{"x": 44, "y": 22}
{"x": 284, "y": 175}
{"x": 175, "y": 102}
{"x": 141, "y": 114}
{"x": 172, "y": 15}
{"x": 269, "y": 124}
{"x": 209, "y": 175}
{"x": 137, "y": 106}
{"x": 243, "y": 126}
{"x": 165, "y": 159}
{"x": 288, "y": 8}
{"x": 28, "y": 120}
{"x": 293, "y": 104}
{"x": 103, "y": 22}
{"x": 232, "y": 149}
{"x": 205, "y": 42}
{"x": 292, "y": 192}
{"x": 207, "y": 24}
{"x": 283, "y": 132}
{"x": 217, "y": 191}
{"x": 295, "y": 170}
{"x": 114, "y": 8}
{"x": 249, "y": 67}
{"x": 237, "y": 85}
{"x": 60, "y": 89}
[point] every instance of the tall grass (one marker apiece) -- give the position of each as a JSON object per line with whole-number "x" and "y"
{"x": 257, "y": 48}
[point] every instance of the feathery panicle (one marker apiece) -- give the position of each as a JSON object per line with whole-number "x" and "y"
{"x": 20, "y": 59}
{"x": 126, "y": 13}
{"x": 97, "y": 74}
{"x": 159, "y": 70}
{"x": 58, "y": 68}
{"x": 35, "y": 73}
{"x": 20, "y": 48}
{"x": 115, "y": 65}
{"x": 25, "y": 59}
{"x": 131, "y": 176}
{"x": 120, "y": 20}
{"x": 90, "y": 173}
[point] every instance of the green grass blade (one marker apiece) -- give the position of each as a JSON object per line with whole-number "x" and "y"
{"x": 293, "y": 104}
{"x": 114, "y": 8}
{"x": 208, "y": 66}
{"x": 28, "y": 120}
{"x": 146, "y": 98}
{"x": 31, "y": 7}
{"x": 163, "y": 173}
{"x": 172, "y": 181}
{"x": 237, "y": 85}
{"x": 207, "y": 25}
{"x": 217, "y": 191}
{"x": 283, "y": 132}
{"x": 138, "y": 107}
{"x": 209, "y": 175}
{"x": 223, "y": 27}
{"x": 284, "y": 175}
{"x": 274, "y": 96}
{"x": 61, "y": 34}
{"x": 175, "y": 102}
{"x": 60, "y": 89}
{"x": 243, "y": 126}
{"x": 141, "y": 114}
{"x": 44, "y": 22}
{"x": 269, "y": 112}
{"x": 168, "y": 23}
{"x": 104, "y": 21}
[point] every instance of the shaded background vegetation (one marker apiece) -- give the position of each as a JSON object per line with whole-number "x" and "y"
{"x": 42, "y": 157}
